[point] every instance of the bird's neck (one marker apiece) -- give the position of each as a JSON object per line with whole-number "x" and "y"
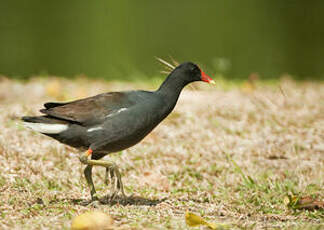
{"x": 172, "y": 86}
{"x": 170, "y": 91}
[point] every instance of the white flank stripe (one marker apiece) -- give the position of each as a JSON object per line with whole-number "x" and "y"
{"x": 94, "y": 129}
{"x": 46, "y": 128}
{"x": 115, "y": 113}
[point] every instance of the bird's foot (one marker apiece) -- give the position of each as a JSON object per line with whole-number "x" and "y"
{"x": 94, "y": 202}
{"x": 111, "y": 169}
{"x": 115, "y": 176}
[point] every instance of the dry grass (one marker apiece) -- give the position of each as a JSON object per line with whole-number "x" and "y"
{"x": 229, "y": 155}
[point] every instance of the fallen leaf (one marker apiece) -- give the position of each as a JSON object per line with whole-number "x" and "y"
{"x": 309, "y": 203}
{"x": 306, "y": 202}
{"x": 194, "y": 220}
{"x": 94, "y": 220}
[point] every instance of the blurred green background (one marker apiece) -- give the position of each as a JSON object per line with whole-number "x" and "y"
{"x": 119, "y": 39}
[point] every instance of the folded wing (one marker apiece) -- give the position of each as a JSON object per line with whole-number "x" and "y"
{"x": 82, "y": 111}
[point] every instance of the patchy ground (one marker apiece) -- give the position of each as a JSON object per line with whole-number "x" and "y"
{"x": 230, "y": 154}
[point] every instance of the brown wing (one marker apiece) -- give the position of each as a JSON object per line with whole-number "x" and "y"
{"x": 88, "y": 111}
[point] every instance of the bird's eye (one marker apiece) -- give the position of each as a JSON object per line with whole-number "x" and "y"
{"x": 193, "y": 69}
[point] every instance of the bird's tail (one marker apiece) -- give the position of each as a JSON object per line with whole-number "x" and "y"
{"x": 45, "y": 124}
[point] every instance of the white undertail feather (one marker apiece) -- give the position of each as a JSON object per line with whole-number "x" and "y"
{"x": 46, "y": 128}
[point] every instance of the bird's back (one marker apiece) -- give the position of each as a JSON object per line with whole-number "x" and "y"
{"x": 107, "y": 122}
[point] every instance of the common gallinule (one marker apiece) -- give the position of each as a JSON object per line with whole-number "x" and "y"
{"x": 114, "y": 121}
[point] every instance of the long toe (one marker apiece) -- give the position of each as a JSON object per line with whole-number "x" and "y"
{"x": 94, "y": 204}
{"x": 90, "y": 203}
{"x": 94, "y": 197}
{"x": 119, "y": 187}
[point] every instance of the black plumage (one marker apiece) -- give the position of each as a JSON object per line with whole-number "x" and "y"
{"x": 114, "y": 121}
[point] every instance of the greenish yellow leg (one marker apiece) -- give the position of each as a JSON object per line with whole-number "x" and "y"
{"x": 88, "y": 176}
{"x": 113, "y": 171}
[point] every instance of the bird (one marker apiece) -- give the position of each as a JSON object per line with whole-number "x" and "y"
{"x": 113, "y": 121}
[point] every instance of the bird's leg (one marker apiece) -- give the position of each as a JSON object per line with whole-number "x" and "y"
{"x": 114, "y": 175}
{"x": 113, "y": 183}
{"x": 107, "y": 176}
{"x": 111, "y": 166}
{"x": 120, "y": 187}
{"x": 88, "y": 176}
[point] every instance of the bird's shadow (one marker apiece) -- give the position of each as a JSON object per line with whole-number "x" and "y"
{"x": 130, "y": 200}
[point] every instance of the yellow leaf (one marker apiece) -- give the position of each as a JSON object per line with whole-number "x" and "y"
{"x": 92, "y": 221}
{"x": 193, "y": 220}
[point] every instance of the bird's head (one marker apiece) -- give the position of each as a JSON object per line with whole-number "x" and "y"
{"x": 192, "y": 71}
